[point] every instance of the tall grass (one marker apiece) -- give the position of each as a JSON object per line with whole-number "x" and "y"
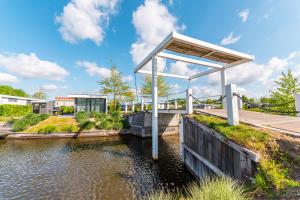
{"x": 220, "y": 188}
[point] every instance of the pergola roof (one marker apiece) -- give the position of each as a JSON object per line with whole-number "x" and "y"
{"x": 221, "y": 57}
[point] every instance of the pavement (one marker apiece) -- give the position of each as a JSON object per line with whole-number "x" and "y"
{"x": 280, "y": 123}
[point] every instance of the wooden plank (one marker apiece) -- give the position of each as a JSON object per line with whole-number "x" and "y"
{"x": 206, "y": 162}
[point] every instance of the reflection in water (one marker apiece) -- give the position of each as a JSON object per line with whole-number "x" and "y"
{"x": 102, "y": 168}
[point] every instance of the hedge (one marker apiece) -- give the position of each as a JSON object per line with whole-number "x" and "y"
{"x": 8, "y": 110}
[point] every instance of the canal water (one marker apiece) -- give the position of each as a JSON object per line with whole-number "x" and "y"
{"x": 98, "y": 168}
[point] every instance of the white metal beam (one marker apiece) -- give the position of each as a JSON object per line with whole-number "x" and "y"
{"x": 154, "y": 110}
{"x": 161, "y": 46}
{"x": 163, "y": 74}
{"x": 204, "y": 73}
{"x": 189, "y": 60}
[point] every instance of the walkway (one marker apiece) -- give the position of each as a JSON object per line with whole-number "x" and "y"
{"x": 285, "y": 124}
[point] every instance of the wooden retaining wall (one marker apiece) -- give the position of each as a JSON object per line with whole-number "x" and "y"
{"x": 207, "y": 152}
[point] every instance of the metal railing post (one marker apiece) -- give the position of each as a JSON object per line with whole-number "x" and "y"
{"x": 154, "y": 110}
{"x": 189, "y": 101}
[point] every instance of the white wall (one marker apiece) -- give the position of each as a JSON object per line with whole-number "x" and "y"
{"x": 298, "y": 104}
{"x": 6, "y": 100}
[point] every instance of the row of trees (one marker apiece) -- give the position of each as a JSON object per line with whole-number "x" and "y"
{"x": 121, "y": 91}
{"x": 8, "y": 90}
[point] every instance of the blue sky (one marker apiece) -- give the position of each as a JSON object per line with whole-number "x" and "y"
{"x": 67, "y": 46}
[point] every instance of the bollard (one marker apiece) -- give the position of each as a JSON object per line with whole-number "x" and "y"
{"x": 297, "y": 101}
{"x": 232, "y": 107}
{"x": 240, "y": 101}
{"x": 189, "y": 102}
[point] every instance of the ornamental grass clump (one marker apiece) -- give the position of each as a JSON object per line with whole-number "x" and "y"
{"x": 217, "y": 188}
{"x": 27, "y": 121}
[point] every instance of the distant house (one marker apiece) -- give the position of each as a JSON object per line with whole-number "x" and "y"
{"x": 15, "y": 100}
{"x": 90, "y": 103}
{"x": 64, "y": 101}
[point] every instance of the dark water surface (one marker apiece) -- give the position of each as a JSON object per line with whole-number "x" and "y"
{"x": 102, "y": 168}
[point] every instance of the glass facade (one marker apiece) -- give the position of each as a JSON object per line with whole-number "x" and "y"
{"x": 90, "y": 104}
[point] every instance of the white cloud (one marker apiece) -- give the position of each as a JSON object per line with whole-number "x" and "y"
{"x": 85, "y": 19}
{"x": 7, "y": 78}
{"x": 244, "y": 14}
{"x": 92, "y": 69}
{"x": 30, "y": 66}
{"x": 182, "y": 68}
{"x": 127, "y": 78}
{"x": 230, "y": 39}
{"x": 153, "y": 23}
{"x": 205, "y": 91}
{"x": 49, "y": 87}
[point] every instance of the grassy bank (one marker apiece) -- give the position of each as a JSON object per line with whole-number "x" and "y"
{"x": 208, "y": 189}
{"x": 273, "y": 174}
{"x": 27, "y": 121}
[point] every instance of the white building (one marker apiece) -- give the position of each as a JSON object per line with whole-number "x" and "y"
{"x": 15, "y": 100}
{"x": 64, "y": 101}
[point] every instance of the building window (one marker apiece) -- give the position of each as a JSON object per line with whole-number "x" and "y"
{"x": 12, "y": 100}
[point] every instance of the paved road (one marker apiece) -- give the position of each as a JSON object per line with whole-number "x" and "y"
{"x": 281, "y": 123}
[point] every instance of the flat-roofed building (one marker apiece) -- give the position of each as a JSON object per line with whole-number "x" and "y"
{"x": 15, "y": 100}
{"x": 64, "y": 101}
{"x": 90, "y": 102}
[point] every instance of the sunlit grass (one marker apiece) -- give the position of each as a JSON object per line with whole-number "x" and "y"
{"x": 62, "y": 124}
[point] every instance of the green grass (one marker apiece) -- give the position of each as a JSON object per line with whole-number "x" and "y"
{"x": 241, "y": 134}
{"x": 208, "y": 189}
{"x": 272, "y": 175}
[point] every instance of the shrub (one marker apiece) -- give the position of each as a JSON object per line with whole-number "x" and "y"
{"x": 28, "y": 120}
{"x": 126, "y": 124}
{"x": 104, "y": 125}
{"x": 117, "y": 125}
{"x": 66, "y": 109}
{"x": 81, "y": 117}
{"x": 69, "y": 129}
{"x": 7, "y": 110}
{"x": 87, "y": 125}
{"x": 47, "y": 129}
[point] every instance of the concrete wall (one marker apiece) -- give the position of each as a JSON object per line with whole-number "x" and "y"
{"x": 207, "y": 152}
{"x": 141, "y": 124}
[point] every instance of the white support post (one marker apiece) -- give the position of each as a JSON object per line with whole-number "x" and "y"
{"x": 154, "y": 110}
{"x": 132, "y": 107}
{"x": 168, "y": 106}
{"x": 175, "y": 104}
{"x": 126, "y": 107}
{"x": 232, "y": 107}
{"x": 189, "y": 101}
{"x": 240, "y": 102}
{"x": 142, "y": 104}
{"x": 297, "y": 101}
{"x": 223, "y": 87}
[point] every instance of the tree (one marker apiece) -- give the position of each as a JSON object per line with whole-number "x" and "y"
{"x": 40, "y": 94}
{"x": 284, "y": 95}
{"x": 163, "y": 87}
{"x": 8, "y": 90}
{"x": 115, "y": 85}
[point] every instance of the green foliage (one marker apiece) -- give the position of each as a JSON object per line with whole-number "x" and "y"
{"x": 273, "y": 175}
{"x": 28, "y": 120}
{"x": 87, "y": 125}
{"x": 163, "y": 87}
{"x": 115, "y": 86}
{"x": 69, "y": 129}
{"x": 47, "y": 129}
{"x": 288, "y": 86}
{"x": 8, "y": 110}
{"x": 126, "y": 124}
{"x": 208, "y": 189}
{"x": 81, "y": 117}
{"x": 66, "y": 109}
{"x": 8, "y": 90}
{"x": 39, "y": 95}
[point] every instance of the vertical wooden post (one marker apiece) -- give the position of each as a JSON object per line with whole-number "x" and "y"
{"x": 232, "y": 107}
{"x": 297, "y": 101}
{"x": 154, "y": 110}
{"x": 223, "y": 87}
{"x": 189, "y": 101}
